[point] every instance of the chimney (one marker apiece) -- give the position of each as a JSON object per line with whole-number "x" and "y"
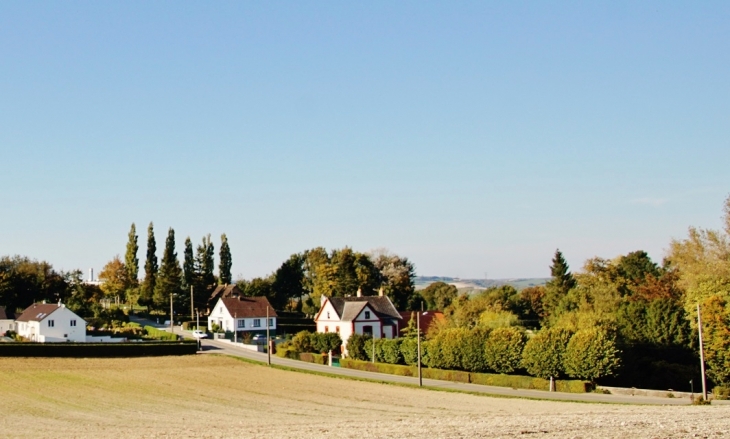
{"x": 380, "y": 292}
{"x": 359, "y": 292}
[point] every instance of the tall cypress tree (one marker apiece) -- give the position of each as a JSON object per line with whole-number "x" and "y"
{"x": 189, "y": 264}
{"x": 562, "y": 281}
{"x": 130, "y": 259}
{"x": 204, "y": 266}
{"x": 150, "y": 267}
{"x": 169, "y": 279}
{"x": 225, "y": 262}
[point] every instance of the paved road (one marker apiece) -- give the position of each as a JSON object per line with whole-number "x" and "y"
{"x": 227, "y": 348}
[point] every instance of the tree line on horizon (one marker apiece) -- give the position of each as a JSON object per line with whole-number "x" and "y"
{"x": 648, "y": 311}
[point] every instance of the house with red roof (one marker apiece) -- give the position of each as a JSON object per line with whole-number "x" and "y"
{"x": 243, "y": 314}
{"x": 375, "y": 316}
{"x": 49, "y": 323}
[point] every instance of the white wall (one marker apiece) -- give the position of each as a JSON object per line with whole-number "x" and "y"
{"x": 61, "y": 331}
{"x": 222, "y": 317}
{"x": 7, "y": 325}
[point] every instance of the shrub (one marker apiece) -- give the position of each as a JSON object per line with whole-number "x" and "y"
{"x": 543, "y": 354}
{"x": 472, "y": 357}
{"x": 719, "y": 392}
{"x": 313, "y": 358}
{"x": 591, "y": 354}
{"x": 503, "y": 349}
{"x": 159, "y": 334}
{"x": 391, "y": 351}
{"x": 302, "y": 342}
{"x": 445, "y": 349}
{"x": 325, "y": 342}
{"x": 356, "y": 347}
{"x": 409, "y": 350}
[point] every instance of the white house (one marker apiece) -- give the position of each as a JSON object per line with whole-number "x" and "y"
{"x": 7, "y": 321}
{"x": 365, "y": 315}
{"x": 242, "y": 314}
{"x": 47, "y": 323}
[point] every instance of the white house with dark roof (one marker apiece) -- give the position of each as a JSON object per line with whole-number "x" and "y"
{"x": 365, "y": 315}
{"x": 243, "y": 314}
{"x": 48, "y": 323}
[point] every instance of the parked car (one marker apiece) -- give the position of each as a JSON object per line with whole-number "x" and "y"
{"x": 199, "y": 334}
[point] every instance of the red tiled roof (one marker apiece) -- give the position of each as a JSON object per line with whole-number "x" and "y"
{"x": 248, "y": 306}
{"x": 427, "y": 318}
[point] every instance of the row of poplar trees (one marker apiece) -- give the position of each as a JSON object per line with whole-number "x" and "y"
{"x": 167, "y": 277}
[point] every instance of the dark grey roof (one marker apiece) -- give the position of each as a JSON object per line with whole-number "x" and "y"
{"x": 223, "y": 291}
{"x": 382, "y": 306}
{"x": 5, "y": 315}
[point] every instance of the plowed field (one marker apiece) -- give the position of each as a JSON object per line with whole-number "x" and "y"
{"x": 220, "y": 397}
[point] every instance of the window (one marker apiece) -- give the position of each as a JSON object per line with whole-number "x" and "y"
{"x": 367, "y": 330}
{"x": 337, "y": 329}
{"x": 271, "y": 323}
{"x": 328, "y": 315}
{"x": 367, "y": 314}
{"x": 73, "y": 322}
{"x": 256, "y": 323}
{"x": 326, "y": 329}
{"x": 50, "y": 323}
{"x": 242, "y": 323}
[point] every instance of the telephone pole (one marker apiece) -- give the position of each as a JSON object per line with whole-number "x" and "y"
{"x": 268, "y": 339}
{"x": 702, "y": 354}
{"x": 192, "y": 315}
{"x": 418, "y": 326}
{"x": 171, "y": 319}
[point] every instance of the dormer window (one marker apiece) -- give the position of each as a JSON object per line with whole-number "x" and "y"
{"x": 367, "y": 314}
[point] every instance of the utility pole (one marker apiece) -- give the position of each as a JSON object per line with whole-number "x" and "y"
{"x": 702, "y": 354}
{"x": 235, "y": 327}
{"x": 197, "y": 326}
{"x": 418, "y": 326}
{"x": 171, "y": 319}
{"x": 268, "y": 339}
{"x": 192, "y": 316}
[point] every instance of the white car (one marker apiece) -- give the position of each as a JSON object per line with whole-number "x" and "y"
{"x": 199, "y": 334}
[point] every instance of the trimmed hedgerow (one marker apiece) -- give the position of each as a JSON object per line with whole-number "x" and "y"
{"x": 98, "y": 350}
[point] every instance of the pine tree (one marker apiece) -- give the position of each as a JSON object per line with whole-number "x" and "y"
{"x": 150, "y": 268}
{"x": 130, "y": 259}
{"x": 169, "y": 279}
{"x": 562, "y": 281}
{"x": 225, "y": 262}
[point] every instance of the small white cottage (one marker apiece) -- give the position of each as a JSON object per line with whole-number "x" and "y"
{"x": 243, "y": 314}
{"x": 48, "y": 323}
{"x": 365, "y": 315}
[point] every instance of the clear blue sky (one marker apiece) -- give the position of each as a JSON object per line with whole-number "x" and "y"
{"x": 471, "y": 137}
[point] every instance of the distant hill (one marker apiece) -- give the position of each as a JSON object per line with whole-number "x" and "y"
{"x": 479, "y": 284}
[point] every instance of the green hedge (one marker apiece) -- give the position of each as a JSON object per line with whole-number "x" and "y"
{"x": 159, "y": 334}
{"x": 98, "y": 350}
{"x": 313, "y": 358}
{"x": 487, "y": 379}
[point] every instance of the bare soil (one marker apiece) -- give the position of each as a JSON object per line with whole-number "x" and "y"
{"x": 220, "y": 397}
